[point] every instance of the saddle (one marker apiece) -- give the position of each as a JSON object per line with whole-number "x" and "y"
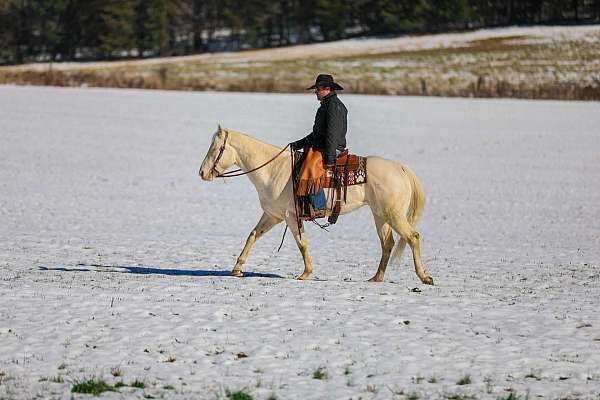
{"x": 310, "y": 176}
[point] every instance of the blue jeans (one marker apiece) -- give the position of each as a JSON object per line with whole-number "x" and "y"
{"x": 318, "y": 200}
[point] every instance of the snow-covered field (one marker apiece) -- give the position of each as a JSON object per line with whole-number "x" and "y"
{"x": 114, "y": 255}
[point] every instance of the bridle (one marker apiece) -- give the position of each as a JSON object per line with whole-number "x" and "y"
{"x": 237, "y": 172}
{"x": 221, "y": 150}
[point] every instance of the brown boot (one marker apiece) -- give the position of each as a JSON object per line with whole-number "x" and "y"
{"x": 314, "y": 214}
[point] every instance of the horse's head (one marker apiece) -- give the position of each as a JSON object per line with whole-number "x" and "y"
{"x": 219, "y": 157}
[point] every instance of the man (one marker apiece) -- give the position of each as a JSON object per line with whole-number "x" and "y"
{"x": 329, "y": 130}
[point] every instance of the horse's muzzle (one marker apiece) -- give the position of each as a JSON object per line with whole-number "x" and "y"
{"x": 206, "y": 176}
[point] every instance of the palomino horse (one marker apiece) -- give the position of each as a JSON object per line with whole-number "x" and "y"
{"x": 392, "y": 191}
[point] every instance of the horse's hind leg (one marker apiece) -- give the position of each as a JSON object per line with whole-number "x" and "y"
{"x": 265, "y": 223}
{"x": 408, "y": 233}
{"x": 384, "y": 231}
{"x": 302, "y": 246}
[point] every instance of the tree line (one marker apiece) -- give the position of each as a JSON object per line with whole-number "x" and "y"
{"x": 62, "y": 30}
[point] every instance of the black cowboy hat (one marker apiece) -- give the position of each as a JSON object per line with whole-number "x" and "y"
{"x": 324, "y": 80}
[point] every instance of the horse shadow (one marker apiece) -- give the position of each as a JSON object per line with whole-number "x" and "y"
{"x": 144, "y": 270}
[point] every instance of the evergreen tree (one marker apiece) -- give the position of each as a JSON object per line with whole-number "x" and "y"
{"x": 116, "y": 34}
{"x": 17, "y": 29}
{"x": 305, "y": 15}
{"x": 151, "y": 30}
{"x": 437, "y": 15}
{"x": 6, "y": 31}
{"x": 70, "y": 29}
{"x": 330, "y": 16}
{"x": 76, "y": 29}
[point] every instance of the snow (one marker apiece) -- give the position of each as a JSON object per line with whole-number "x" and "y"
{"x": 114, "y": 254}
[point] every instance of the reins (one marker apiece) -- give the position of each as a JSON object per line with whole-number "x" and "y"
{"x": 237, "y": 172}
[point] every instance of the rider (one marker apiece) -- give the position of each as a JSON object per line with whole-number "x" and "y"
{"x": 329, "y": 130}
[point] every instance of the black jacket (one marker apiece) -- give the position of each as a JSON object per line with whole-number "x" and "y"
{"x": 329, "y": 130}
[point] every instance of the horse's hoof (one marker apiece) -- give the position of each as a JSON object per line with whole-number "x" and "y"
{"x": 375, "y": 279}
{"x": 302, "y": 277}
{"x": 237, "y": 272}
{"x": 428, "y": 280}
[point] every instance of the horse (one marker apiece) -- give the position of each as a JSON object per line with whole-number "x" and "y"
{"x": 392, "y": 191}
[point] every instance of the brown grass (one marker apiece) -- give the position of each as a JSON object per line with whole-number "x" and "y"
{"x": 495, "y": 67}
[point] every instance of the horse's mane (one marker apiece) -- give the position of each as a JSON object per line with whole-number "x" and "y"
{"x": 251, "y": 138}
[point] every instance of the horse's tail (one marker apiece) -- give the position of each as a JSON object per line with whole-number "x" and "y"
{"x": 417, "y": 202}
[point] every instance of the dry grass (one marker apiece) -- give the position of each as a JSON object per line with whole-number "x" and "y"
{"x": 510, "y": 66}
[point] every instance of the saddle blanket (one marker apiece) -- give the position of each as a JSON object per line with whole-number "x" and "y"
{"x": 350, "y": 169}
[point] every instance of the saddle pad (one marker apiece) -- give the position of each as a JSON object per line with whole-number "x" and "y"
{"x": 349, "y": 169}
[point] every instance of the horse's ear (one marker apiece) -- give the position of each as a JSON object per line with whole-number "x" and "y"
{"x": 220, "y": 129}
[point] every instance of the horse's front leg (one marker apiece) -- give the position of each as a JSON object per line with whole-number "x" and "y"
{"x": 265, "y": 223}
{"x": 302, "y": 246}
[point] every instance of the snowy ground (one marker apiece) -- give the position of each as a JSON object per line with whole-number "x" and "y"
{"x": 114, "y": 255}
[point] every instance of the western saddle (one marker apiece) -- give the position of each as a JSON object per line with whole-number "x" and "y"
{"x": 348, "y": 170}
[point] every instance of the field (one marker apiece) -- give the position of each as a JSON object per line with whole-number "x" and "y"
{"x": 518, "y": 62}
{"x": 114, "y": 255}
